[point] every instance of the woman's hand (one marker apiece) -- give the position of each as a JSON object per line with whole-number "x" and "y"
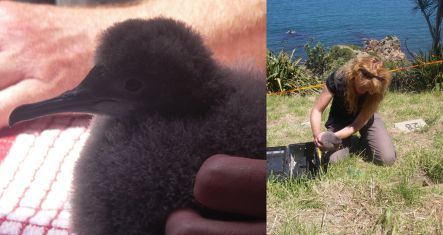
{"x": 317, "y": 140}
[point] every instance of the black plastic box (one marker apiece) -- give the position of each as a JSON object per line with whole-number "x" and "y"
{"x": 293, "y": 160}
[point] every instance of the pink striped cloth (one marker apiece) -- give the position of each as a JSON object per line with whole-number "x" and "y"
{"x": 36, "y": 165}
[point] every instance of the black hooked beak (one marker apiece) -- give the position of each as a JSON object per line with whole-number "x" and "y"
{"x": 82, "y": 99}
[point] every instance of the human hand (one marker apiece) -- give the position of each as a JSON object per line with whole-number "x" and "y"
{"x": 226, "y": 184}
{"x": 318, "y": 140}
{"x": 328, "y": 141}
{"x": 46, "y": 50}
{"x": 42, "y": 54}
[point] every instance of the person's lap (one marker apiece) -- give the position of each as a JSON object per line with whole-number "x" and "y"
{"x": 374, "y": 144}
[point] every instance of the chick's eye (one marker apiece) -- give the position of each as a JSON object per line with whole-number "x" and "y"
{"x": 133, "y": 85}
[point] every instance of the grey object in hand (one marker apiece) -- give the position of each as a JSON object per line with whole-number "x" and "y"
{"x": 330, "y": 141}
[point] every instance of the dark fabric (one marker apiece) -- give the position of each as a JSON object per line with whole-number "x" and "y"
{"x": 375, "y": 138}
{"x": 338, "y": 115}
{"x": 375, "y": 143}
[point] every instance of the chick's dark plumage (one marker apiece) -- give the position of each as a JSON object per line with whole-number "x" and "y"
{"x": 180, "y": 108}
{"x": 167, "y": 60}
{"x": 163, "y": 106}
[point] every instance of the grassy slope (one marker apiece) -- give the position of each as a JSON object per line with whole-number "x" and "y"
{"x": 357, "y": 197}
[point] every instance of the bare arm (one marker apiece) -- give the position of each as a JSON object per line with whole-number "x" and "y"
{"x": 46, "y": 50}
{"x": 355, "y": 126}
{"x": 316, "y": 112}
{"x": 234, "y": 31}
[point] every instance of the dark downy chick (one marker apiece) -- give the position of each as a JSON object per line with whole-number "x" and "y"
{"x": 330, "y": 141}
{"x": 162, "y": 106}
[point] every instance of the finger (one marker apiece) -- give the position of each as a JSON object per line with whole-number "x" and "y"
{"x": 189, "y": 222}
{"x": 318, "y": 143}
{"x": 233, "y": 185}
{"x": 24, "y": 92}
{"x": 319, "y": 140}
{"x": 9, "y": 74}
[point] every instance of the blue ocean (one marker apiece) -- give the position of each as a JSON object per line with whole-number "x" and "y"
{"x": 292, "y": 23}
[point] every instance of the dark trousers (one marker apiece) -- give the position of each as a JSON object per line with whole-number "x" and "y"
{"x": 375, "y": 143}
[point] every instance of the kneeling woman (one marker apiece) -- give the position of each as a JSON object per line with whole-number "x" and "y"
{"x": 356, "y": 90}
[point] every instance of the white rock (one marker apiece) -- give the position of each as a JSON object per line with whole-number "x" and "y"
{"x": 411, "y": 125}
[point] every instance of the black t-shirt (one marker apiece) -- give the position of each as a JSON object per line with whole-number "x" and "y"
{"x": 338, "y": 115}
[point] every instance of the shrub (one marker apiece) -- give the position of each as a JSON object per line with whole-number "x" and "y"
{"x": 285, "y": 74}
{"x": 353, "y": 47}
{"x": 322, "y": 61}
{"x": 318, "y": 59}
{"x": 339, "y": 56}
{"x": 432, "y": 74}
{"x": 342, "y": 53}
{"x": 422, "y": 78}
{"x": 401, "y": 80}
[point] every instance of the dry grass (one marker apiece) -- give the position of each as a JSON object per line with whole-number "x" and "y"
{"x": 357, "y": 197}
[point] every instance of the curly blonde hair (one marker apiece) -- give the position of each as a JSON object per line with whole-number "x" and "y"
{"x": 359, "y": 72}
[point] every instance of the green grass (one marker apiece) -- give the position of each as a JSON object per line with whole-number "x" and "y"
{"x": 358, "y": 197}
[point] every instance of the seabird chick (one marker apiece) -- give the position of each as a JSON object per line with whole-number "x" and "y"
{"x": 162, "y": 106}
{"x": 330, "y": 141}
